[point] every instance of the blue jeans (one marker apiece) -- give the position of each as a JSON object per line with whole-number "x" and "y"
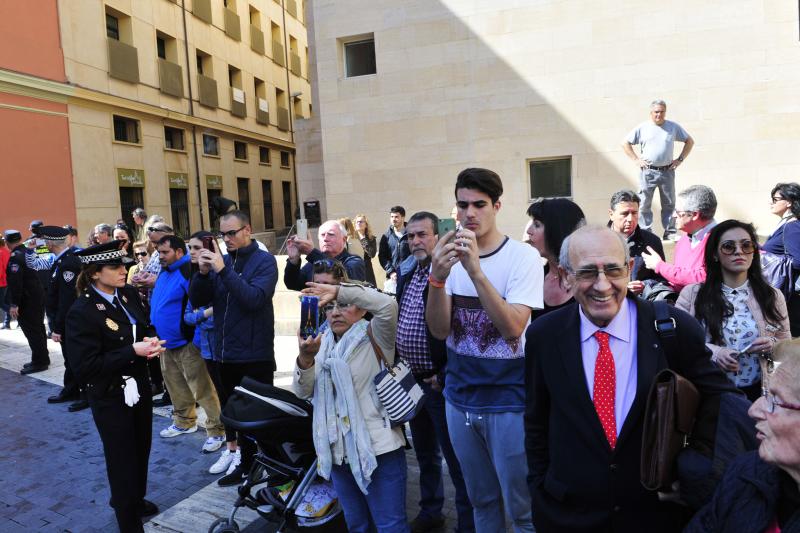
{"x": 431, "y": 441}
{"x": 491, "y": 450}
{"x": 384, "y": 508}
{"x": 663, "y": 180}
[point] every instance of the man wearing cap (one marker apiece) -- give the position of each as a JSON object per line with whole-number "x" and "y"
{"x": 60, "y": 297}
{"x": 27, "y": 303}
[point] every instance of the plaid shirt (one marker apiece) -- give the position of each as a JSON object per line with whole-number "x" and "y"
{"x": 412, "y": 335}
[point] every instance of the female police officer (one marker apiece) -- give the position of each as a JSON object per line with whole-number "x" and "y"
{"x": 108, "y": 344}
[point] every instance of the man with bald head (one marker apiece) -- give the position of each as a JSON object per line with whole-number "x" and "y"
{"x": 332, "y": 246}
{"x": 590, "y": 366}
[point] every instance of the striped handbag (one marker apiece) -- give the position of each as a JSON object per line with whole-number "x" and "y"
{"x": 399, "y": 392}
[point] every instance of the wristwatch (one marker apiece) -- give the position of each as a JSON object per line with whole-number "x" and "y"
{"x": 680, "y": 158}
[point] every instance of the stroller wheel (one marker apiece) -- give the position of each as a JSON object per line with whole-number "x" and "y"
{"x": 223, "y": 525}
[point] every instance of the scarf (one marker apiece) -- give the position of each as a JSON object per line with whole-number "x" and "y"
{"x": 339, "y": 427}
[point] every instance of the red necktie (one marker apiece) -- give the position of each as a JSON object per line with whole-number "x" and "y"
{"x": 605, "y": 386}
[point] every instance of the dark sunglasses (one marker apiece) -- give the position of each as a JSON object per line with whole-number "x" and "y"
{"x": 230, "y": 234}
{"x": 140, "y": 254}
{"x": 729, "y": 247}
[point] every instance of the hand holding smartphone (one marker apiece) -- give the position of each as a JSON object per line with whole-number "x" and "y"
{"x": 208, "y": 243}
{"x": 309, "y": 316}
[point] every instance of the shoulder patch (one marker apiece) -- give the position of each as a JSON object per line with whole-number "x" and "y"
{"x": 68, "y": 275}
{"x": 14, "y": 267}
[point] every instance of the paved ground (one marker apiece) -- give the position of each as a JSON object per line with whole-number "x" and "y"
{"x": 53, "y": 473}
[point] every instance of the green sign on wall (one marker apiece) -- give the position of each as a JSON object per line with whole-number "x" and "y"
{"x": 178, "y": 180}
{"x": 130, "y": 177}
{"x": 213, "y": 182}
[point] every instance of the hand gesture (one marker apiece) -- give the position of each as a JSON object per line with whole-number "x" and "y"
{"x": 308, "y": 350}
{"x": 761, "y": 344}
{"x": 636, "y": 286}
{"x": 643, "y": 163}
{"x": 146, "y": 279}
{"x": 55, "y": 337}
{"x": 326, "y": 293}
{"x": 149, "y": 347}
{"x": 433, "y": 381}
{"x": 209, "y": 259}
{"x": 675, "y": 164}
{"x": 444, "y": 257}
{"x": 14, "y": 312}
{"x": 728, "y": 359}
{"x": 466, "y": 246}
{"x": 651, "y": 258}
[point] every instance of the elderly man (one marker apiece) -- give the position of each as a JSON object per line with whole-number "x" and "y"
{"x": 759, "y": 491}
{"x": 656, "y": 163}
{"x": 332, "y": 244}
{"x": 623, "y": 214}
{"x": 103, "y": 233}
{"x": 427, "y": 356}
{"x": 590, "y": 367}
{"x": 239, "y": 286}
{"x": 139, "y": 218}
{"x": 694, "y": 215}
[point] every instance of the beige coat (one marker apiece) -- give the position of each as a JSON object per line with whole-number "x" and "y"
{"x": 364, "y": 366}
{"x": 780, "y": 331}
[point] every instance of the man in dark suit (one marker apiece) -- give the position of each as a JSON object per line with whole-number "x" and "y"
{"x": 590, "y": 367}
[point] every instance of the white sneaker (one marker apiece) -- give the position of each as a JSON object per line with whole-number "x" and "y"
{"x": 237, "y": 460}
{"x": 224, "y": 461}
{"x": 213, "y": 444}
{"x": 174, "y": 431}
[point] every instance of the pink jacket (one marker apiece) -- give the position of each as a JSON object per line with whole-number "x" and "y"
{"x": 780, "y": 331}
{"x": 5, "y": 255}
{"x": 688, "y": 265}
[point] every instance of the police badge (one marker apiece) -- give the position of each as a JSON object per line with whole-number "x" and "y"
{"x": 14, "y": 268}
{"x": 113, "y": 326}
{"x": 68, "y": 276}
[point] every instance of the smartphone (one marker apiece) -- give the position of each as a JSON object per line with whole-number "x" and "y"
{"x": 445, "y": 225}
{"x": 302, "y": 228}
{"x": 208, "y": 242}
{"x": 309, "y": 316}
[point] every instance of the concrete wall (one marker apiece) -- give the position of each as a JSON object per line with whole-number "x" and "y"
{"x": 462, "y": 83}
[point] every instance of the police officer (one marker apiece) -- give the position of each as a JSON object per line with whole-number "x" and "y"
{"x": 26, "y": 297}
{"x": 108, "y": 345}
{"x": 60, "y": 297}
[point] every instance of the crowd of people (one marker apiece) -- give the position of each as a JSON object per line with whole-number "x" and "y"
{"x": 535, "y": 357}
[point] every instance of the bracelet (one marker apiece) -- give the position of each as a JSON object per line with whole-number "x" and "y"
{"x": 435, "y": 282}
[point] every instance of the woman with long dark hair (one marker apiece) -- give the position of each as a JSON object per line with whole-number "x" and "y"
{"x": 551, "y": 221}
{"x": 369, "y": 243}
{"x": 785, "y": 240}
{"x": 742, "y": 314}
{"x": 123, "y": 233}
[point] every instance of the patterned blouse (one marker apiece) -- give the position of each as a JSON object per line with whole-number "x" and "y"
{"x": 739, "y": 331}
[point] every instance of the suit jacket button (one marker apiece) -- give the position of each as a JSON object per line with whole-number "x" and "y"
{"x": 612, "y": 467}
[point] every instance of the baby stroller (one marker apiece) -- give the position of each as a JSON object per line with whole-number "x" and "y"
{"x": 282, "y": 485}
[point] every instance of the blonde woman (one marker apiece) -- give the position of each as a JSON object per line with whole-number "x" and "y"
{"x": 368, "y": 242}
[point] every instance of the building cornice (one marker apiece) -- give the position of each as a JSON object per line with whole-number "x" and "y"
{"x": 43, "y": 89}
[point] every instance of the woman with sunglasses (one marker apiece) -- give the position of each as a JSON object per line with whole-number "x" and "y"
{"x": 785, "y": 240}
{"x": 357, "y": 448}
{"x": 742, "y": 314}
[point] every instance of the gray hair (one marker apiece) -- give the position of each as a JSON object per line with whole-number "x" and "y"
{"x": 153, "y": 220}
{"x": 103, "y": 228}
{"x": 701, "y": 199}
{"x": 342, "y": 229}
{"x": 563, "y": 256}
{"x": 658, "y": 101}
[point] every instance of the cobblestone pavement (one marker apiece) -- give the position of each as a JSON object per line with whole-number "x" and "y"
{"x": 53, "y": 472}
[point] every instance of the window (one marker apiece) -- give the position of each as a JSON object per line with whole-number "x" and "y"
{"x": 112, "y": 27}
{"x": 550, "y": 178}
{"x": 359, "y": 58}
{"x": 263, "y": 155}
{"x": 199, "y": 59}
{"x": 161, "y": 47}
{"x": 129, "y": 199}
{"x": 179, "y": 205}
{"x": 240, "y": 150}
{"x": 284, "y": 159}
{"x": 126, "y": 130}
{"x": 210, "y": 145}
{"x": 287, "y": 203}
{"x": 266, "y": 195}
{"x": 173, "y": 138}
{"x": 243, "y": 186}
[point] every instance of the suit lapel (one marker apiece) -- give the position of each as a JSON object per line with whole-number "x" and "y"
{"x": 117, "y": 315}
{"x": 569, "y": 347}
{"x": 649, "y": 360}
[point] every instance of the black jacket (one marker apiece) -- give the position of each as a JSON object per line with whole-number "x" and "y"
{"x": 295, "y": 278}
{"x": 577, "y": 482}
{"x": 100, "y": 342}
{"x": 638, "y": 241}
{"x": 61, "y": 289}
{"x": 747, "y": 500}
{"x": 24, "y": 288}
{"x": 392, "y": 250}
{"x": 437, "y": 347}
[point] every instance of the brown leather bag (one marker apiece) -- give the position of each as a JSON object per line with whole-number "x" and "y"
{"x": 668, "y": 420}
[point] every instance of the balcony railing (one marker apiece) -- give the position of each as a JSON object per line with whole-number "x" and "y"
{"x": 202, "y": 10}
{"x": 170, "y": 76}
{"x": 238, "y": 106}
{"x": 257, "y": 40}
{"x": 277, "y": 53}
{"x": 123, "y": 61}
{"x": 207, "y": 91}
{"x": 232, "y": 26}
{"x": 295, "y": 64}
{"x": 283, "y": 119}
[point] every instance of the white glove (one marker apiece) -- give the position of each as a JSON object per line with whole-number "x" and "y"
{"x": 131, "y": 390}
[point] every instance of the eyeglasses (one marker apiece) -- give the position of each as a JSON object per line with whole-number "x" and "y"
{"x": 612, "y": 272}
{"x": 772, "y": 401}
{"x": 681, "y": 214}
{"x": 230, "y": 234}
{"x": 140, "y": 254}
{"x": 776, "y": 199}
{"x": 729, "y": 247}
{"x": 162, "y": 229}
{"x": 331, "y": 307}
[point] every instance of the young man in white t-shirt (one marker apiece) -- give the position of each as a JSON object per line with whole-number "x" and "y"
{"x": 483, "y": 286}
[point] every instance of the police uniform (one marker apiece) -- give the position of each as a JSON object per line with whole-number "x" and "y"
{"x": 60, "y": 297}
{"x": 100, "y": 348}
{"x": 25, "y": 291}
